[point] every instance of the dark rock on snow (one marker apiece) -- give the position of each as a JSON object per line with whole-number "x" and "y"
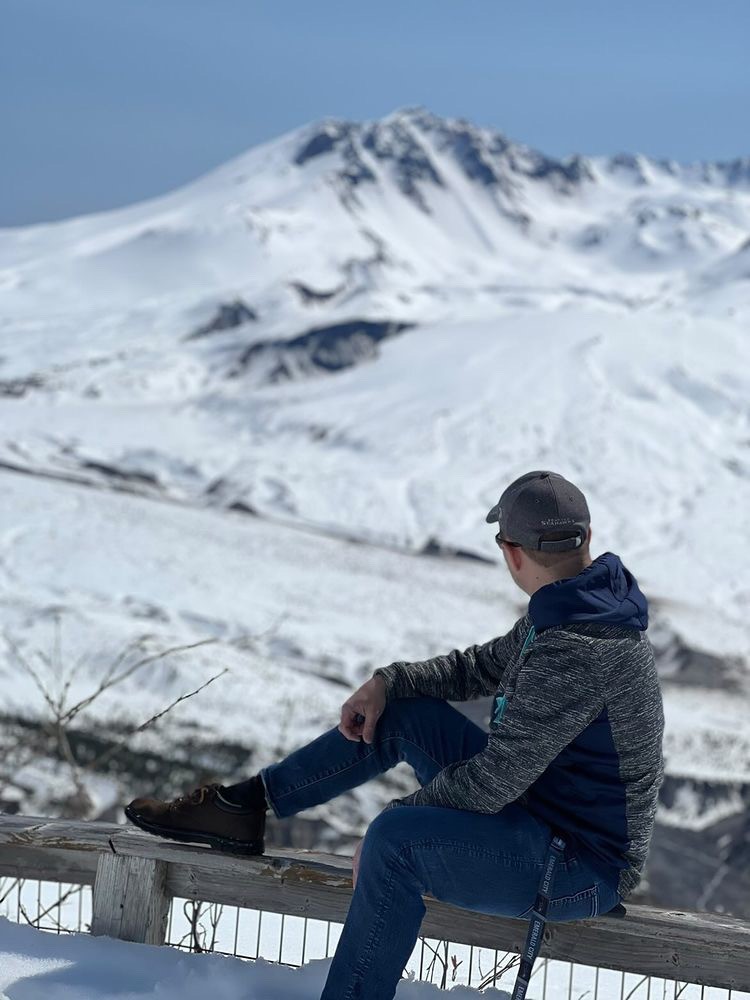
{"x": 227, "y": 317}
{"x": 324, "y": 348}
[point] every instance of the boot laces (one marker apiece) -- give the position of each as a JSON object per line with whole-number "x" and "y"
{"x": 194, "y": 798}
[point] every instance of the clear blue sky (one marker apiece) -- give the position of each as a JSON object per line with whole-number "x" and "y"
{"x": 104, "y": 102}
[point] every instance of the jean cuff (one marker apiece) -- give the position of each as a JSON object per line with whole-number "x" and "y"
{"x": 269, "y": 799}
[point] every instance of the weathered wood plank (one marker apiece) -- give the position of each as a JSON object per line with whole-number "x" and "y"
{"x": 48, "y": 864}
{"x": 682, "y": 946}
{"x": 72, "y": 835}
{"x": 130, "y": 899}
{"x": 703, "y": 948}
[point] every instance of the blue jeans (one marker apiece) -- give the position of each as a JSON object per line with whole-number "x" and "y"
{"x": 486, "y": 862}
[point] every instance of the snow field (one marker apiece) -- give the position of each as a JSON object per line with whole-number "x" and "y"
{"x": 39, "y": 965}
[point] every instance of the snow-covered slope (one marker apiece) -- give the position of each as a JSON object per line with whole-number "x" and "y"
{"x": 521, "y": 311}
{"x": 362, "y": 332}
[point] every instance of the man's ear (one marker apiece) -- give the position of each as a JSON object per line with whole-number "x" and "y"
{"x": 513, "y": 556}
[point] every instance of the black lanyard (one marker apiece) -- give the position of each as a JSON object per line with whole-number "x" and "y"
{"x": 537, "y": 919}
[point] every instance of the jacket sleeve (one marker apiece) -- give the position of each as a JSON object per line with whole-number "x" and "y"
{"x": 459, "y": 675}
{"x": 557, "y": 694}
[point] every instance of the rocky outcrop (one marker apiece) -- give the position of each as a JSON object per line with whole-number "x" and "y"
{"x": 409, "y": 143}
{"x": 436, "y": 548}
{"x": 227, "y": 317}
{"x": 321, "y": 349}
{"x": 129, "y": 476}
{"x": 310, "y": 296}
{"x": 17, "y": 387}
{"x": 680, "y": 663}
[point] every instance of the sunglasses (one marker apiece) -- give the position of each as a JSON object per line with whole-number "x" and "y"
{"x": 499, "y": 539}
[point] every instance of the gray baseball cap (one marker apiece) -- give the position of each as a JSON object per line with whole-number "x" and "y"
{"x": 538, "y": 504}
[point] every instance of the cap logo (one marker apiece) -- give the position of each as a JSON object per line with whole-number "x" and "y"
{"x": 557, "y": 520}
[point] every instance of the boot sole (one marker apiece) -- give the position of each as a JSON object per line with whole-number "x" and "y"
{"x": 225, "y": 844}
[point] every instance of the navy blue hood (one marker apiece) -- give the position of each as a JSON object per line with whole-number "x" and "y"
{"x": 604, "y": 592}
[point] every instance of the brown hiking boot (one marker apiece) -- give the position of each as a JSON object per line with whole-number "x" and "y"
{"x": 202, "y": 816}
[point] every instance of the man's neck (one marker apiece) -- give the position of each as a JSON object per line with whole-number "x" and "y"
{"x": 542, "y": 578}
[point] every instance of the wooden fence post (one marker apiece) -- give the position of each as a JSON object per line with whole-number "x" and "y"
{"x": 130, "y": 899}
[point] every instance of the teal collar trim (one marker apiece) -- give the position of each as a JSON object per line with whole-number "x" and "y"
{"x": 501, "y": 702}
{"x": 528, "y": 640}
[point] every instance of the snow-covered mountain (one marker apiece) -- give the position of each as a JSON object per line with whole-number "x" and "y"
{"x": 397, "y": 214}
{"x": 312, "y": 371}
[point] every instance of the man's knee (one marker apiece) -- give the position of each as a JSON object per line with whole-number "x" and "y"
{"x": 391, "y": 833}
{"x": 394, "y": 843}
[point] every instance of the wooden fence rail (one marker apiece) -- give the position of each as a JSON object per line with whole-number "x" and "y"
{"x": 134, "y": 877}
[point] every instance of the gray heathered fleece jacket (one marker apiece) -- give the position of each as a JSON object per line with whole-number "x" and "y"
{"x": 577, "y": 722}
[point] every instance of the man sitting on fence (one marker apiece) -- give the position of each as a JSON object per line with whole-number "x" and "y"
{"x": 572, "y": 762}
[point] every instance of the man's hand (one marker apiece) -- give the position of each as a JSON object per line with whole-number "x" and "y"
{"x": 355, "y": 864}
{"x": 367, "y": 701}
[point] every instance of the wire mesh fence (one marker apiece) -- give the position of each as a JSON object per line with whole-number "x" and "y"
{"x": 290, "y": 940}
{"x": 62, "y": 907}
